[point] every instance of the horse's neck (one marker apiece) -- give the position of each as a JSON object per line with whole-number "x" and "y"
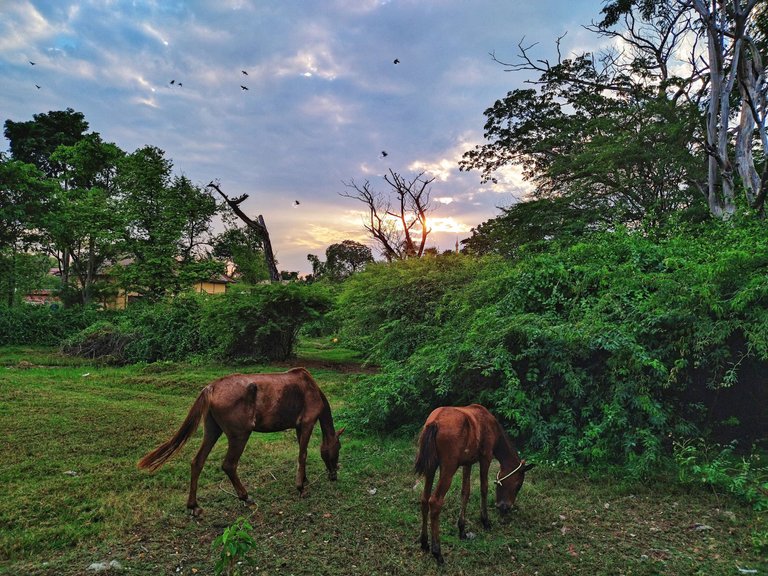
{"x": 326, "y": 420}
{"x": 504, "y": 451}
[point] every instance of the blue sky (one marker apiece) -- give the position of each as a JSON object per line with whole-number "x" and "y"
{"x": 324, "y": 97}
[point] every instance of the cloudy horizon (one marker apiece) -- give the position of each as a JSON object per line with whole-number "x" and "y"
{"x": 324, "y": 95}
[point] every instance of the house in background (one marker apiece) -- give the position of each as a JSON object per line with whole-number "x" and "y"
{"x": 118, "y": 298}
{"x": 217, "y": 285}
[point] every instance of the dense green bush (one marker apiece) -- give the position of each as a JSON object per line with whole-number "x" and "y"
{"x": 261, "y": 322}
{"x": 593, "y": 353}
{"x": 42, "y": 325}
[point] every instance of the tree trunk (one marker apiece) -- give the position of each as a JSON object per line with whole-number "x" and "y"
{"x": 259, "y": 225}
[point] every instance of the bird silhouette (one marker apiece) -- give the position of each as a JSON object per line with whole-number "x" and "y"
{"x": 396, "y": 61}
{"x": 180, "y": 84}
{"x": 173, "y": 82}
{"x": 36, "y": 86}
{"x": 384, "y": 153}
{"x": 243, "y": 87}
{"x": 296, "y": 202}
{"x": 33, "y": 63}
{"x": 244, "y": 72}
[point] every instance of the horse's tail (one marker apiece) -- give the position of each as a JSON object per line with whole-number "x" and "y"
{"x": 426, "y": 459}
{"x": 166, "y": 450}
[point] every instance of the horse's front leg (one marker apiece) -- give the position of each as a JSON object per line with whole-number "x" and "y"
{"x": 464, "y": 499}
{"x": 428, "y": 479}
{"x": 484, "y": 467}
{"x": 234, "y": 451}
{"x": 303, "y": 434}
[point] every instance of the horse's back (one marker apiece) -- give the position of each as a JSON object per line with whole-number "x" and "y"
{"x": 269, "y": 402}
{"x": 466, "y": 433}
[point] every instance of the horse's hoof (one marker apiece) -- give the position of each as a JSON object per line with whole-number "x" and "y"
{"x": 486, "y": 524}
{"x": 424, "y": 545}
{"x": 439, "y": 558}
{"x": 195, "y": 511}
{"x": 248, "y": 501}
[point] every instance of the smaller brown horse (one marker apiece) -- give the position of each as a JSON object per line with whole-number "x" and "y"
{"x": 243, "y": 403}
{"x": 461, "y": 436}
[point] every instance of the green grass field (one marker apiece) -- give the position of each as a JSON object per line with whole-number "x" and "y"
{"x": 71, "y": 433}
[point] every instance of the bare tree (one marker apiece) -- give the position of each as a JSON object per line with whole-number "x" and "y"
{"x": 733, "y": 61}
{"x": 258, "y": 225}
{"x": 396, "y": 220}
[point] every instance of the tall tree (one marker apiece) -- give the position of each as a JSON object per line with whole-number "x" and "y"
{"x": 163, "y": 217}
{"x": 341, "y": 260}
{"x": 612, "y": 134}
{"x": 24, "y": 195}
{"x": 85, "y": 229}
{"x": 734, "y": 91}
{"x": 34, "y": 141}
{"x": 396, "y": 219}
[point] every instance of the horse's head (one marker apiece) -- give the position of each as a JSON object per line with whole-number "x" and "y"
{"x": 508, "y": 483}
{"x": 329, "y": 450}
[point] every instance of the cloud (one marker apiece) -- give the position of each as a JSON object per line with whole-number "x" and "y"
{"x": 22, "y": 26}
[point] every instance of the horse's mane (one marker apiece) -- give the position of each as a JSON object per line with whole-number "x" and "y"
{"x": 504, "y": 449}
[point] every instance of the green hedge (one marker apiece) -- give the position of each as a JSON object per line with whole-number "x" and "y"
{"x": 247, "y": 323}
{"x": 42, "y": 325}
{"x": 597, "y": 353}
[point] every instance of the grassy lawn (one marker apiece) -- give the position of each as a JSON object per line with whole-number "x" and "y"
{"x": 71, "y": 433}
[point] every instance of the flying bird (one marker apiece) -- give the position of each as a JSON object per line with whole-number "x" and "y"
{"x": 384, "y": 153}
{"x": 33, "y": 63}
{"x": 244, "y": 72}
{"x": 173, "y": 82}
{"x": 396, "y": 61}
{"x": 243, "y": 87}
{"x": 36, "y": 86}
{"x": 180, "y": 84}
{"x": 296, "y": 202}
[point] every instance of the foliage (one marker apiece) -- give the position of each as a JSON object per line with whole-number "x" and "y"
{"x": 43, "y": 325}
{"x": 593, "y": 352}
{"x": 260, "y": 322}
{"x": 34, "y": 141}
{"x": 720, "y": 468}
{"x": 233, "y": 545}
{"x": 102, "y": 341}
{"x": 243, "y": 246}
{"x": 605, "y": 159}
{"x": 166, "y": 218}
{"x": 341, "y": 260}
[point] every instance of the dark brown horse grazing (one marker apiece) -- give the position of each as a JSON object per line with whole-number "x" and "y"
{"x": 243, "y": 403}
{"x": 454, "y": 437}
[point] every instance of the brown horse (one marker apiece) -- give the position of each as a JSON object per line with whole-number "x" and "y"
{"x": 243, "y": 403}
{"x": 461, "y": 436}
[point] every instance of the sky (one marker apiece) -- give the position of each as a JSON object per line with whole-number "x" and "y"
{"x": 324, "y": 96}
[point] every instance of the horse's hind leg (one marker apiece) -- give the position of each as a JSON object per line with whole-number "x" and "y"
{"x": 428, "y": 479}
{"x": 237, "y": 444}
{"x": 211, "y": 435}
{"x": 436, "y": 502}
{"x": 464, "y": 499}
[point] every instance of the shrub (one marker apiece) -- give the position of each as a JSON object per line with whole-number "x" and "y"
{"x": 593, "y": 353}
{"x": 42, "y": 325}
{"x": 260, "y": 322}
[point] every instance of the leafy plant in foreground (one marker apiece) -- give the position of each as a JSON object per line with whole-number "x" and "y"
{"x": 720, "y": 468}
{"x": 233, "y": 545}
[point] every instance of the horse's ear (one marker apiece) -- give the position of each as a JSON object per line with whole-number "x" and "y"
{"x": 340, "y": 432}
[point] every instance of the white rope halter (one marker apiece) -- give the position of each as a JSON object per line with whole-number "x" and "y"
{"x": 500, "y": 480}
